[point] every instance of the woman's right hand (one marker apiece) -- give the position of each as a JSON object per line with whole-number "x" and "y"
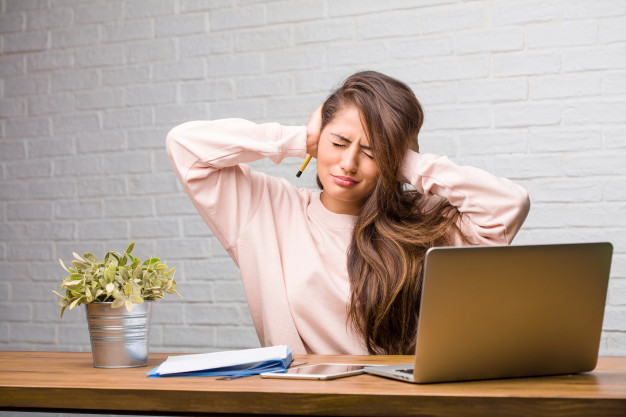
{"x": 313, "y": 131}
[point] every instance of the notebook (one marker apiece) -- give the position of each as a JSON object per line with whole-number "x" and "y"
{"x": 508, "y": 311}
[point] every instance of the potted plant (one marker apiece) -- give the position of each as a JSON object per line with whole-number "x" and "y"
{"x": 119, "y": 336}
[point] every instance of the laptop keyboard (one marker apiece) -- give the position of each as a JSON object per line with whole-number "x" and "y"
{"x": 406, "y": 371}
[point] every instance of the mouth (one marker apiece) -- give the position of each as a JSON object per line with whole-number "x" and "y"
{"x": 344, "y": 181}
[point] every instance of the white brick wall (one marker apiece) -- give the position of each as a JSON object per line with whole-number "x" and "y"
{"x": 532, "y": 90}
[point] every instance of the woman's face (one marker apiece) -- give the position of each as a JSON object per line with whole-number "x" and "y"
{"x": 345, "y": 163}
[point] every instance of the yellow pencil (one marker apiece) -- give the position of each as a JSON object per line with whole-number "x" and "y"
{"x": 304, "y": 164}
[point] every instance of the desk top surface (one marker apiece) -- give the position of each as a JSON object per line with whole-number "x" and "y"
{"x": 63, "y": 381}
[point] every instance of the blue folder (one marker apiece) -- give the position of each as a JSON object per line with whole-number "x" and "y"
{"x": 244, "y": 369}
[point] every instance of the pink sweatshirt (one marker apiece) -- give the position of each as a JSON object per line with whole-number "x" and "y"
{"x": 291, "y": 250}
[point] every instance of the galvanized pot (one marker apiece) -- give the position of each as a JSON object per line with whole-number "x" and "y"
{"x": 119, "y": 338}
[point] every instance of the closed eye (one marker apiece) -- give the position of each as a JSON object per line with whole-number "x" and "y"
{"x": 339, "y": 145}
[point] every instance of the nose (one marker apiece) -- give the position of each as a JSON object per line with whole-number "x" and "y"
{"x": 350, "y": 158}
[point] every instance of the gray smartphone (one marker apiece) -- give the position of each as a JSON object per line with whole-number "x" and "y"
{"x": 322, "y": 371}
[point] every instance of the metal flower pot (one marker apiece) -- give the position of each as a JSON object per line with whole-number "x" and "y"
{"x": 119, "y": 339}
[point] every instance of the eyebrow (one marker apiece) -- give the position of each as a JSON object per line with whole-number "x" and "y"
{"x": 349, "y": 141}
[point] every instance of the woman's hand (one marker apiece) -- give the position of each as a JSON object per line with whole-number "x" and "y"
{"x": 313, "y": 130}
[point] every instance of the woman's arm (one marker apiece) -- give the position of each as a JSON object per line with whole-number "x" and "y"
{"x": 493, "y": 209}
{"x": 208, "y": 158}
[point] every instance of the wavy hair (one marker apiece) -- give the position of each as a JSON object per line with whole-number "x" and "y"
{"x": 393, "y": 230}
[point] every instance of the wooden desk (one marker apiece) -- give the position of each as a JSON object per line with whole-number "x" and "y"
{"x": 67, "y": 382}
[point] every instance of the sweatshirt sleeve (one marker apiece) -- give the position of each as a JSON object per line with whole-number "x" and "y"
{"x": 492, "y": 209}
{"x": 208, "y": 158}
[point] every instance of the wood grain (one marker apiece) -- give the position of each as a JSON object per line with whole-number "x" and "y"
{"x": 66, "y": 381}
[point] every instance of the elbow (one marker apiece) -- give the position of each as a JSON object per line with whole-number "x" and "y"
{"x": 519, "y": 212}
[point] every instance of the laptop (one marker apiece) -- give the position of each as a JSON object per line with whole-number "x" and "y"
{"x": 508, "y": 311}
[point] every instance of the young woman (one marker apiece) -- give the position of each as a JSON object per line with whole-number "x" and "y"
{"x": 339, "y": 271}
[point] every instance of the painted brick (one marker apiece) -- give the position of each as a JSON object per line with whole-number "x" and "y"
{"x": 196, "y": 227}
{"x": 125, "y": 76}
{"x": 250, "y": 109}
{"x": 74, "y": 80}
{"x": 229, "y": 65}
{"x": 240, "y": 17}
{"x": 205, "y": 91}
{"x": 612, "y": 30}
{"x": 512, "y": 12}
{"x": 562, "y": 34}
{"x": 459, "y": 18}
{"x": 190, "y": 336}
{"x": 492, "y": 40}
{"x": 119, "y": 31}
{"x": 51, "y": 188}
{"x": 29, "y": 211}
{"x": 101, "y": 142}
{"x": 102, "y": 229}
{"x": 150, "y": 94}
{"x": 98, "y": 13}
{"x": 276, "y": 85}
{"x": 99, "y": 56}
{"x": 128, "y": 207}
{"x": 512, "y": 115}
{"x": 614, "y": 138}
{"x": 199, "y": 5}
{"x": 33, "y": 333}
{"x": 13, "y": 22}
{"x": 493, "y": 90}
{"x": 30, "y": 251}
{"x": 150, "y": 51}
{"x": 213, "y": 269}
{"x": 613, "y": 83}
{"x": 41, "y": 105}
{"x": 597, "y": 163}
{"x": 76, "y": 210}
{"x": 52, "y": 230}
{"x": 562, "y": 139}
{"x": 25, "y": 41}
{"x": 134, "y": 9}
{"x": 213, "y": 43}
{"x": 382, "y": 25}
{"x": 27, "y": 85}
{"x": 237, "y": 337}
{"x": 595, "y": 112}
{"x": 566, "y": 190}
{"x": 180, "y": 70}
{"x": 323, "y": 31}
{"x": 63, "y": 38}
{"x": 181, "y": 25}
{"x": 458, "y": 118}
{"x": 258, "y": 40}
{"x": 28, "y": 169}
{"x": 229, "y": 291}
{"x": 48, "y": 60}
{"x": 12, "y": 108}
{"x": 351, "y": 54}
{"x": 154, "y": 228}
{"x": 558, "y": 86}
{"x": 514, "y": 64}
{"x": 577, "y": 9}
{"x": 594, "y": 59}
{"x": 489, "y": 142}
{"x": 48, "y": 18}
{"x": 125, "y": 118}
{"x": 211, "y": 314}
{"x": 528, "y": 166}
{"x": 463, "y": 67}
{"x": 12, "y": 65}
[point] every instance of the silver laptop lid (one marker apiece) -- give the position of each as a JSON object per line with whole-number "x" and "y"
{"x": 509, "y": 311}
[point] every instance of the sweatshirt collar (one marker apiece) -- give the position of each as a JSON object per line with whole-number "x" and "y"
{"x": 318, "y": 211}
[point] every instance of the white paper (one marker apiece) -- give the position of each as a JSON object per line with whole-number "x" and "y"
{"x": 206, "y": 361}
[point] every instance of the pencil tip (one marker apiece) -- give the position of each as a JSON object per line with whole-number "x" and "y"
{"x": 298, "y": 174}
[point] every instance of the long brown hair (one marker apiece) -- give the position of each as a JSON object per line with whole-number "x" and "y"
{"x": 392, "y": 231}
